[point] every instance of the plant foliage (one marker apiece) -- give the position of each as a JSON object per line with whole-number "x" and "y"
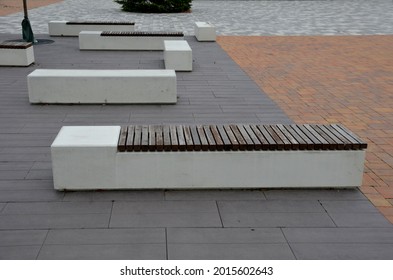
{"x": 155, "y": 6}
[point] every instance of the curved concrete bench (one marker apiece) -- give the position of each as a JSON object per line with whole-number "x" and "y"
{"x": 73, "y": 28}
{"x": 95, "y": 40}
{"x": 207, "y": 156}
{"x": 75, "y": 86}
{"x": 16, "y": 54}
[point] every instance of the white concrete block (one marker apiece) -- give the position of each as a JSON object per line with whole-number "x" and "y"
{"x": 92, "y": 40}
{"x": 178, "y": 55}
{"x": 102, "y": 86}
{"x": 205, "y": 31}
{"x": 84, "y": 157}
{"x": 16, "y": 57}
{"x": 61, "y": 28}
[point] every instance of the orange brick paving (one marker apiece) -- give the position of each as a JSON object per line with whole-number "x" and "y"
{"x": 331, "y": 79}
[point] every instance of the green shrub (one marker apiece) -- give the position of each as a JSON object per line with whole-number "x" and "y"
{"x": 155, "y": 6}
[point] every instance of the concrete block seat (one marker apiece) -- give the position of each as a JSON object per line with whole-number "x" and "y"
{"x": 16, "y": 54}
{"x": 76, "y": 86}
{"x": 205, "y": 31}
{"x": 73, "y": 28}
{"x": 207, "y": 156}
{"x": 111, "y": 40}
{"x": 177, "y": 55}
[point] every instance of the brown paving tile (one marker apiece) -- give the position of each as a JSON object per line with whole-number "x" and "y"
{"x": 331, "y": 79}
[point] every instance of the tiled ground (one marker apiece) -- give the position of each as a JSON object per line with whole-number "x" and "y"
{"x": 330, "y": 79}
{"x": 37, "y": 222}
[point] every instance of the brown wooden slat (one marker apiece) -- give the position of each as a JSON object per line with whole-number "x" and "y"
{"x": 174, "y": 140}
{"x": 340, "y": 144}
{"x": 331, "y": 144}
{"x": 272, "y": 143}
{"x": 264, "y": 143}
{"x": 152, "y": 138}
{"x": 227, "y": 145}
{"x": 167, "y": 138}
{"x": 202, "y": 138}
{"x": 347, "y": 133}
{"x": 181, "y": 138}
{"x": 309, "y": 143}
{"x": 121, "y": 145}
{"x": 232, "y": 138}
{"x": 210, "y": 138}
{"x": 188, "y": 138}
{"x": 239, "y": 137}
{"x": 88, "y": 22}
{"x": 276, "y": 138}
{"x": 130, "y": 138}
{"x": 15, "y": 45}
{"x": 145, "y": 138}
{"x": 290, "y": 140}
{"x": 246, "y": 137}
{"x": 348, "y": 145}
{"x": 217, "y": 138}
{"x": 137, "y": 138}
{"x": 159, "y": 138}
{"x": 256, "y": 143}
{"x": 195, "y": 138}
{"x": 302, "y": 144}
{"x": 311, "y": 132}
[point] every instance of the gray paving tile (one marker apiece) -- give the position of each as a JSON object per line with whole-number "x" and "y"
{"x": 54, "y": 208}
{"x": 19, "y": 252}
{"x": 2, "y": 205}
{"x": 14, "y": 185}
{"x": 214, "y": 195}
{"x": 224, "y": 235}
{"x": 105, "y": 236}
{"x": 22, "y": 237}
{"x": 165, "y": 220}
{"x": 300, "y": 206}
{"x": 339, "y": 235}
{"x": 54, "y": 221}
{"x": 103, "y": 252}
{"x": 334, "y": 251}
{"x": 129, "y": 195}
{"x": 229, "y": 252}
{"x": 361, "y": 206}
{"x": 30, "y": 195}
{"x": 318, "y": 194}
{"x": 165, "y": 207}
{"x": 370, "y": 220}
{"x": 273, "y": 219}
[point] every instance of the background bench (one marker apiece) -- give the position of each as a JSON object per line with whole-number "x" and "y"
{"x": 102, "y": 86}
{"x": 111, "y": 40}
{"x": 207, "y": 156}
{"x": 16, "y": 54}
{"x": 73, "y": 28}
{"x": 205, "y": 31}
{"x": 177, "y": 55}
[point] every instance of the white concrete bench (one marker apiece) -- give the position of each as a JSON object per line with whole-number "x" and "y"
{"x": 210, "y": 156}
{"x": 177, "y": 55}
{"x": 204, "y": 31}
{"x": 102, "y": 86}
{"x": 16, "y": 54}
{"x": 95, "y": 40}
{"x": 73, "y": 28}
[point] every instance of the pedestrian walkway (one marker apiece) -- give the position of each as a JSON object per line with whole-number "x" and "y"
{"x": 343, "y": 79}
{"x": 230, "y": 17}
{"x": 267, "y": 79}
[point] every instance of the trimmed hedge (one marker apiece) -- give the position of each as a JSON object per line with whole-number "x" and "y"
{"x": 155, "y": 6}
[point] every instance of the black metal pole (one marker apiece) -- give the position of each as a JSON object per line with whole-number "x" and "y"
{"x": 27, "y": 32}
{"x": 25, "y": 8}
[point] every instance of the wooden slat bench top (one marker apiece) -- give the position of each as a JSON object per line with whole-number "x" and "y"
{"x": 89, "y": 22}
{"x": 142, "y": 34}
{"x": 135, "y": 138}
{"x": 15, "y": 45}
